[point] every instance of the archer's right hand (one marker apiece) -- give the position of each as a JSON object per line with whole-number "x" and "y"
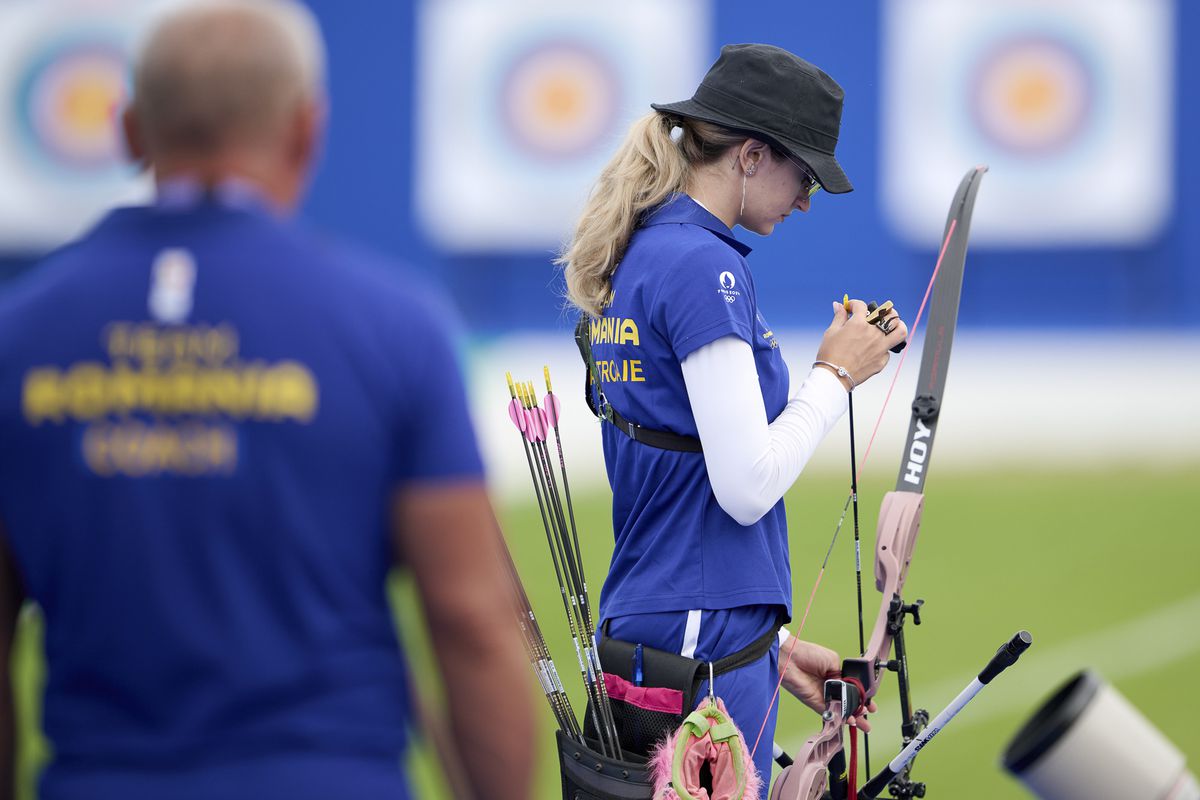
{"x": 855, "y": 345}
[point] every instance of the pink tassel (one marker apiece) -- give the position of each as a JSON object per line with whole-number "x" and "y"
{"x": 660, "y": 767}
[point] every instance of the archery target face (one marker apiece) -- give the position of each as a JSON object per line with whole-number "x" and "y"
{"x": 1032, "y": 94}
{"x": 559, "y": 99}
{"x": 520, "y": 104}
{"x": 64, "y": 80}
{"x": 1069, "y": 103}
{"x": 69, "y": 104}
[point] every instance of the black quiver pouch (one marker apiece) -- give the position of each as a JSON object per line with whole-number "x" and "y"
{"x": 647, "y": 714}
{"x": 587, "y": 775}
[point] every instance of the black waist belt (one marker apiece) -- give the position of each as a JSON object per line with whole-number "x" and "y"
{"x": 663, "y": 440}
{"x": 674, "y": 671}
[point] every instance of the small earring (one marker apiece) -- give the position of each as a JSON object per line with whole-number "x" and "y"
{"x": 751, "y": 168}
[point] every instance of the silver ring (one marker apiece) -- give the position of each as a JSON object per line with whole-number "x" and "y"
{"x": 886, "y": 325}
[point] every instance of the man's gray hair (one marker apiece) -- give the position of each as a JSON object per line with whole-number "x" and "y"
{"x": 217, "y": 72}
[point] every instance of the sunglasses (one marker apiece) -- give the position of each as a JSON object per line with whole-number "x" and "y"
{"x": 810, "y": 185}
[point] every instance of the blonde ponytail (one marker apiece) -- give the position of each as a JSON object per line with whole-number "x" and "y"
{"x": 647, "y": 168}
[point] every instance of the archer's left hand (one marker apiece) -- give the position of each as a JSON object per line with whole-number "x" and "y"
{"x": 805, "y": 673}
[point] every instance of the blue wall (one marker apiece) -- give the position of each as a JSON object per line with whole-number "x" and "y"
{"x": 842, "y": 244}
{"x": 362, "y": 190}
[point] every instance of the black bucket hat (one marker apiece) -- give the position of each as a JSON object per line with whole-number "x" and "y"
{"x": 776, "y": 96}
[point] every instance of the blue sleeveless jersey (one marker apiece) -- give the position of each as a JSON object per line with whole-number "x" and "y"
{"x": 683, "y": 283}
{"x": 203, "y": 412}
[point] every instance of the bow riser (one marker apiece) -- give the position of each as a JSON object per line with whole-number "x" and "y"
{"x": 807, "y": 778}
{"x": 896, "y": 538}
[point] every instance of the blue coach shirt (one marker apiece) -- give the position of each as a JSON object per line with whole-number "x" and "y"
{"x": 203, "y": 411}
{"x": 683, "y": 283}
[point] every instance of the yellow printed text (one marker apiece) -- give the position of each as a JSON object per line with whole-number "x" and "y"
{"x": 615, "y": 330}
{"x": 628, "y": 370}
{"x": 149, "y": 344}
{"x": 88, "y": 391}
{"x": 136, "y": 449}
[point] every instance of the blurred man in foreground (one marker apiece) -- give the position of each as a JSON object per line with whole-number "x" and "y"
{"x": 219, "y": 433}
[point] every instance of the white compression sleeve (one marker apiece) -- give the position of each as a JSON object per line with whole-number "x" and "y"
{"x": 750, "y": 463}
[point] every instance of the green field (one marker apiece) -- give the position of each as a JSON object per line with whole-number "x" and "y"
{"x": 1101, "y": 566}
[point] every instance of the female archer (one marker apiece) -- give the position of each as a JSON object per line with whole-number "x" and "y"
{"x": 710, "y": 430}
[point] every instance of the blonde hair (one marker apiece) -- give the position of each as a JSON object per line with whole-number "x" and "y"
{"x": 211, "y": 72}
{"x": 649, "y": 166}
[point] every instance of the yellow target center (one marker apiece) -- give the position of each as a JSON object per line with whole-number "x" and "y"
{"x": 1033, "y": 96}
{"x": 560, "y": 101}
{"x": 87, "y": 104}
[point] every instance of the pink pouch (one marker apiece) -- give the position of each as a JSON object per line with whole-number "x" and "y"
{"x": 651, "y": 698}
{"x": 708, "y": 737}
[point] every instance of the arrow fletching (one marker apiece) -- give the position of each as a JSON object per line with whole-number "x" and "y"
{"x": 553, "y": 409}
{"x": 517, "y": 414}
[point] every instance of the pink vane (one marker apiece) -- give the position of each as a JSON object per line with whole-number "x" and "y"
{"x": 537, "y": 425}
{"x": 553, "y": 408}
{"x": 517, "y": 414}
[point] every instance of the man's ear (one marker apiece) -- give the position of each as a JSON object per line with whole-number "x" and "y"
{"x": 135, "y": 145}
{"x": 307, "y": 132}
